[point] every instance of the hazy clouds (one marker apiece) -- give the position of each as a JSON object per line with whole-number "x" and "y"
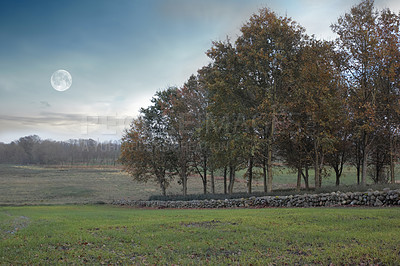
{"x": 119, "y": 54}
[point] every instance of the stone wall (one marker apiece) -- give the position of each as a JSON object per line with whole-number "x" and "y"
{"x": 386, "y": 197}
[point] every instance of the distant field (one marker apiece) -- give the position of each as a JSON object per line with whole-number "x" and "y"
{"x": 48, "y": 185}
{"x": 54, "y": 185}
{"x": 43, "y": 235}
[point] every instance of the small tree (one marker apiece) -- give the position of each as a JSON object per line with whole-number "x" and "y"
{"x": 147, "y": 152}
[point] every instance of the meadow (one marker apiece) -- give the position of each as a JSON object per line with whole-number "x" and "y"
{"x": 67, "y": 226}
{"x": 35, "y": 185}
{"x": 116, "y": 235}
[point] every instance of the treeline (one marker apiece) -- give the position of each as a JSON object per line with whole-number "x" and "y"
{"x": 33, "y": 150}
{"x": 278, "y": 95}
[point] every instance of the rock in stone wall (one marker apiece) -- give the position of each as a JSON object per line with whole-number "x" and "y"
{"x": 386, "y": 197}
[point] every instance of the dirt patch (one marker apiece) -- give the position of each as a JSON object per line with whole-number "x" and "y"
{"x": 206, "y": 224}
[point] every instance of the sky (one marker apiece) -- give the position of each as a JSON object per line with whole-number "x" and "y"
{"x": 119, "y": 53}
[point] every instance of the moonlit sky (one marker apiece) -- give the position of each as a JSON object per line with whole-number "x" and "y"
{"x": 119, "y": 54}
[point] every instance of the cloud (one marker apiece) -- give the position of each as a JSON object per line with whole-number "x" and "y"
{"x": 204, "y": 10}
{"x": 54, "y": 125}
{"x": 119, "y": 60}
{"x": 218, "y": 18}
{"x": 394, "y": 5}
{"x": 45, "y": 118}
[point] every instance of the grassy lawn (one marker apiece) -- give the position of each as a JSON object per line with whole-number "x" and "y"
{"x": 105, "y": 234}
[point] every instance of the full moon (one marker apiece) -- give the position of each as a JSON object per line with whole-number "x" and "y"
{"x": 61, "y": 80}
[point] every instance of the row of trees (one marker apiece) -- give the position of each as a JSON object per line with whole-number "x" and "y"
{"x": 276, "y": 94}
{"x": 33, "y": 150}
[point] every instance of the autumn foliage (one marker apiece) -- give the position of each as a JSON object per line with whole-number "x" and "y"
{"x": 278, "y": 95}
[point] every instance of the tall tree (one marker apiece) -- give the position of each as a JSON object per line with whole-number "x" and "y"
{"x": 267, "y": 48}
{"x": 227, "y": 109}
{"x": 312, "y": 109}
{"x": 388, "y": 53}
{"x": 186, "y": 112}
{"x": 371, "y": 40}
{"x": 358, "y": 38}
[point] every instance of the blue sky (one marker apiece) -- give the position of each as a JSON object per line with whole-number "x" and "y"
{"x": 119, "y": 54}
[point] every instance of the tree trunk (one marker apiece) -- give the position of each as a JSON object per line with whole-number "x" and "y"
{"x": 270, "y": 139}
{"x": 364, "y": 161}
{"x": 231, "y": 179}
{"x": 269, "y": 159}
{"x": 392, "y": 177}
{"x": 337, "y": 173}
{"x": 358, "y": 161}
{"x": 364, "y": 168}
{"x": 162, "y": 183}
{"x": 205, "y": 176}
{"x": 163, "y": 189}
{"x": 321, "y": 165}
{"x": 306, "y": 177}
{"x": 337, "y": 178}
{"x": 298, "y": 187}
{"x": 185, "y": 185}
{"x": 378, "y": 168}
{"x": 265, "y": 174}
{"x": 225, "y": 180}
{"x": 340, "y": 169}
{"x": 250, "y": 171}
{"x": 316, "y": 165}
{"x": 212, "y": 182}
{"x": 306, "y": 181}
{"x": 184, "y": 180}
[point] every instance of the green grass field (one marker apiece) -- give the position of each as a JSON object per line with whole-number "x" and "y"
{"x": 103, "y": 234}
{"x": 110, "y": 235}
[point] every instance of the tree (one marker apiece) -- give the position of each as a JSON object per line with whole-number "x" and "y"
{"x": 388, "y": 54}
{"x": 294, "y": 145}
{"x": 147, "y": 152}
{"x": 203, "y": 132}
{"x": 313, "y": 109}
{"x": 228, "y": 112}
{"x": 267, "y": 48}
{"x": 340, "y": 153}
{"x": 358, "y": 40}
{"x": 27, "y": 144}
{"x": 278, "y": 92}
{"x": 3, "y": 148}
{"x": 194, "y": 96}
{"x": 370, "y": 39}
{"x": 180, "y": 110}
